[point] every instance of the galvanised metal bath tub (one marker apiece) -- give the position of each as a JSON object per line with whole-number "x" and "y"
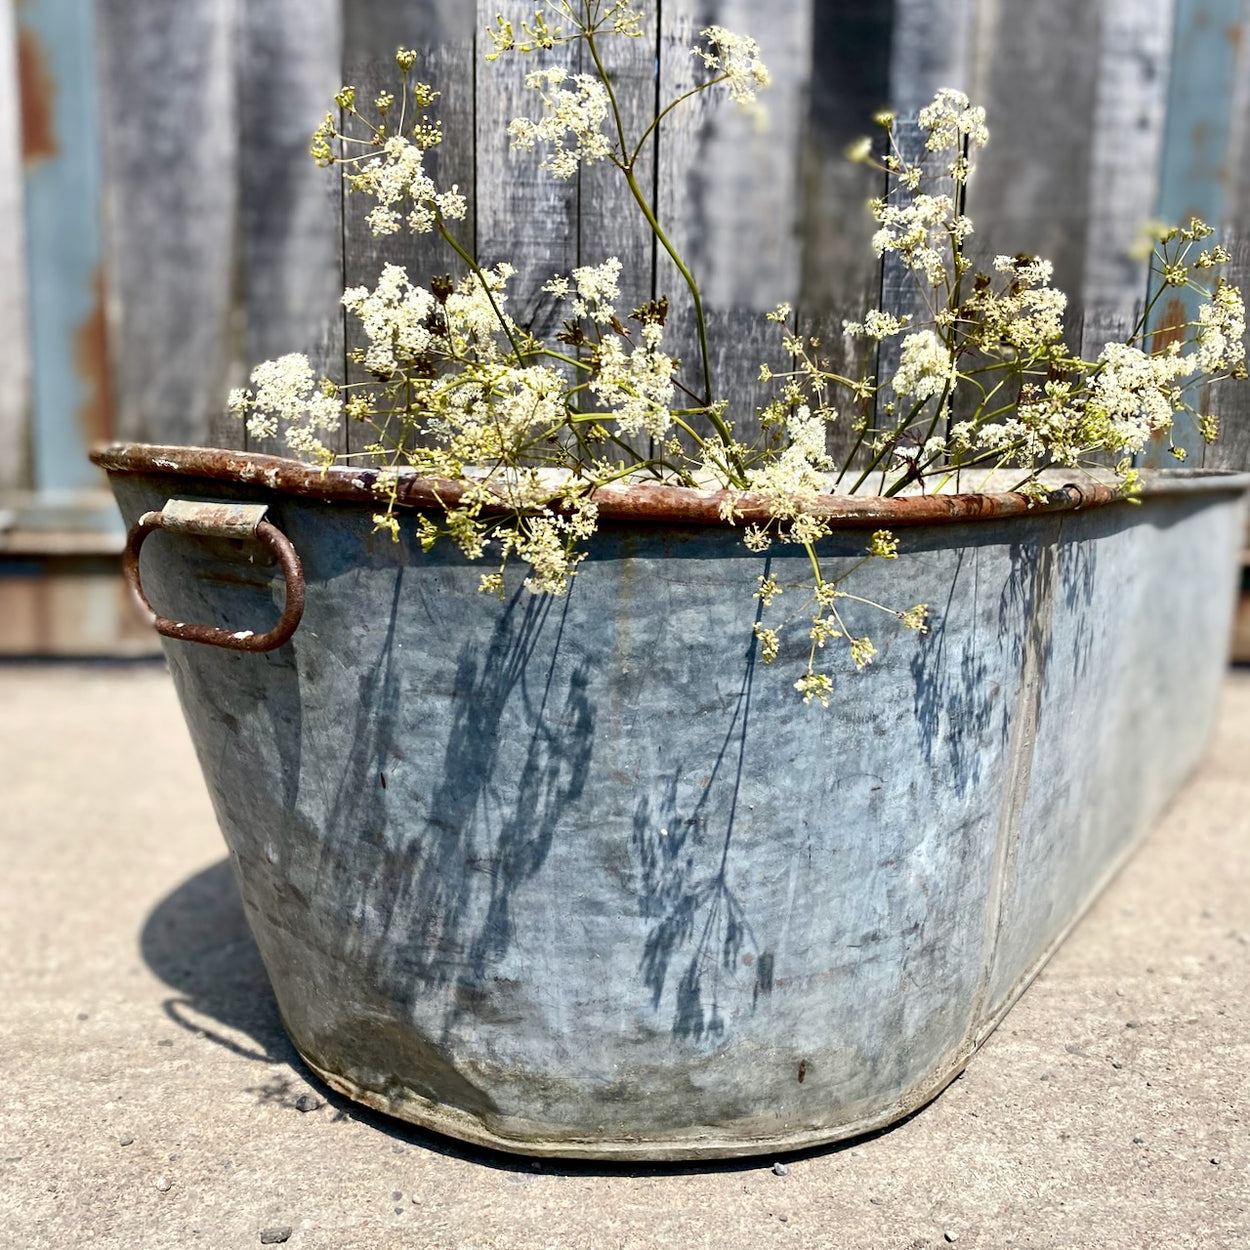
{"x": 580, "y": 877}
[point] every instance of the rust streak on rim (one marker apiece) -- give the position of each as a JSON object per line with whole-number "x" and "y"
{"x": 645, "y": 504}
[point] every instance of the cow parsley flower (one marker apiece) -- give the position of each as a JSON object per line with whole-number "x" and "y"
{"x": 925, "y": 367}
{"x": 288, "y": 396}
{"x": 916, "y": 232}
{"x": 737, "y": 58}
{"x": 637, "y": 385}
{"x": 398, "y": 175}
{"x": 578, "y": 111}
{"x": 950, "y": 119}
{"x": 1221, "y": 331}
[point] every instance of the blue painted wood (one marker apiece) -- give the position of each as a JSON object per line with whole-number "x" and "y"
{"x": 63, "y": 184}
{"x": 1193, "y": 179}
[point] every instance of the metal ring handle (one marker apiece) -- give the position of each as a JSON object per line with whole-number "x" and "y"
{"x": 212, "y": 635}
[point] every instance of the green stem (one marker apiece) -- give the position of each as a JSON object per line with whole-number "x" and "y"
{"x": 700, "y": 317}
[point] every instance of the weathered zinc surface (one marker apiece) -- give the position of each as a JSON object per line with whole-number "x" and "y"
{"x": 581, "y": 876}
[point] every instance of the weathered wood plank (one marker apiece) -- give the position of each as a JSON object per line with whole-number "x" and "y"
{"x": 902, "y": 295}
{"x": 524, "y": 215}
{"x": 441, "y": 32}
{"x": 727, "y": 183}
{"x": 851, "y": 82}
{"x": 15, "y": 468}
{"x": 1230, "y": 400}
{"x": 610, "y": 222}
{"x": 373, "y": 29}
{"x": 728, "y": 191}
{"x": 1237, "y": 202}
{"x": 1196, "y": 148}
{"x": 933, "y": 45}
{"x": 1039, "y": 63}
{"x": 851, "y": 358}
{"x": 171, "y": 200}
{"x": 1125, "y": 149}
{"x": 290, "y": 228}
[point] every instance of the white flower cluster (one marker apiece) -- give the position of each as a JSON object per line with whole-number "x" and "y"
{"x": 875, "y": 325}
{"x": 476, "y": 316}
{"x": 918, "y": 231}
{"x": 1134, "y": 394}
{"x": 638, "y": 384}
{"x": 925, "y": 367}
{"x": 547, "y": 542}
{"x": 579, "y": 112}
{"x": 1221, "y": 331}
{"x": 597, "y": 289}
{"x": 395, "y": 317}
{"x": 950, "y": 119}
{"x": 736, "y": 58}
{"x": 1028, "y": 314}
{"x": 397, "y": 177}
{"x": 486, "y": 421}
{"x": 798, "y": 468}
{"x": 287, "y": 395}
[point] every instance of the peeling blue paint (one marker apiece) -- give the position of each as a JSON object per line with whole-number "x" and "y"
{"x": 63, "y": 232}
{"x": 1193, "y": 174}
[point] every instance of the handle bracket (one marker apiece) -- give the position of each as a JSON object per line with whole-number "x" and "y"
{"x": 219, "y": 520}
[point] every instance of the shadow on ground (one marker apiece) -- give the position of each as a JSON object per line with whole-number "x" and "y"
{"x": 197, "y": 941}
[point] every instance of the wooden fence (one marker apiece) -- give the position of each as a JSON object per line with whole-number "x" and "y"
{"x": 162, "y": 227}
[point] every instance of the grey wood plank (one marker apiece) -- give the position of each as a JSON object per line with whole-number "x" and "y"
{"x": 1031, "y": 192}
{"x": 169, "y": 137}
{"x": 1125, "y": 148}
{"x": 14, "y": 326}
{"x": 901, "y": 294}
{"x": 610, "y": 221}
{"x": 933, "y": 45}
{"x": 373, "y": 29}
{"x": 290, "y": 228}
{"x": 524, "y": 215}
{"x": 852, "y": 358}
{"x": 449, "y": 69}
{"x": 730, "y": 187}
{"x": 1237, "y": 192}
{"x": 851, "y": 81}
{"x": 728, "y": 191}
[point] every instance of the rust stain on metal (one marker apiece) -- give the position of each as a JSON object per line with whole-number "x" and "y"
{"x": 91, "y": 359}
{"x": 36, "y": 93}
{"x": 1172, "y": 329}
{"x": 1233, "y": 33}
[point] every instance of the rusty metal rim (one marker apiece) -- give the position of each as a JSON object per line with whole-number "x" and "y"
{"x": 644, "y": 504}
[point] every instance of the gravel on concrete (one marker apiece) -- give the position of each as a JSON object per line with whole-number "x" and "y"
{"x": 151, "y": 1097}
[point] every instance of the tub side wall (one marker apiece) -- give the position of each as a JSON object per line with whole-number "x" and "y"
{"x": 583, "y": 876}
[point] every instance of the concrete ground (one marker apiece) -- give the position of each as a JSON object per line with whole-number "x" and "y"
{"x": 150, "y": 1097}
